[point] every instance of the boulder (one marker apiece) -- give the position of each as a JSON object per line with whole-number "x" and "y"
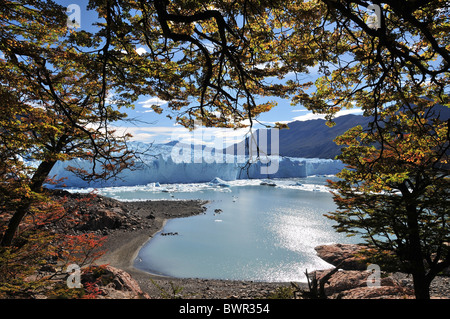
{"x": 352, "y": 284}
{"x": 349, "y": 279}
{"x": 103, "y": 218}
{"x": 344, "y": 256}
{"x": 114, "y": 283}
{"x": 123, "y": 280}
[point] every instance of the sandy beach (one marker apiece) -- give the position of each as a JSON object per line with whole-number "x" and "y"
{"x": 123, "y": 245}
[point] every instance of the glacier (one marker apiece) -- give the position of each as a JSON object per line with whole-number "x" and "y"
{"x": 164, "y": 165}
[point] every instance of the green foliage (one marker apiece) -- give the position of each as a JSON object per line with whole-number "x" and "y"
{"x": 173, "y": 293}
{"x": 61, "y": 89}
{"x": 283, "y": 292}
{"x": 394, "y": 191}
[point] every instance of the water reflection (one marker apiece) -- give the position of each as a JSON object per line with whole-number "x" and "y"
{"x": 261, "y": 233}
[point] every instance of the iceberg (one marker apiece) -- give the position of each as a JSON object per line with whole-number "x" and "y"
{"x": 218, "y": 182}
{"x": 158, "y": 167}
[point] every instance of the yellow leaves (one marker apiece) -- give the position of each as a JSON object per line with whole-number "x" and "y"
{"x": 350, "y": 137}
{"x": 264, "y": 107}
{"x": 281, "y": 126}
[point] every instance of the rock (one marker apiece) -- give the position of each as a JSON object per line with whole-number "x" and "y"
{"x": 267, "y": 184}
{"x": 103, "y": 219}
{"x": 349, "y": 279}
{"x": 90, "y": 212}
{"x": 352, "y": 284}
{"x": 115, "y": 283}
{"x": 342, "y": 256}
{"x": 387, "y": 292}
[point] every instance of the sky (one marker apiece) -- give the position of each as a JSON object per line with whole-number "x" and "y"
{"x": 151, "y": 127}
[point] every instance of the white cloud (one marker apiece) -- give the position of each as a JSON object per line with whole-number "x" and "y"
{"x": 146, "y": 133}
{"x": 146, "y": 111}
{"x": 210, "y": 136}
{"x": 141, "y": 50}
{"x": 152, "y": 101}
{"x": 311, "y": 116}
{"x": 202, "y": 135}
{"x": 308, "y": 116}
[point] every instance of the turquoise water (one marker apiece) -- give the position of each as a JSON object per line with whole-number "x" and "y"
{"x": 261, "y": 233}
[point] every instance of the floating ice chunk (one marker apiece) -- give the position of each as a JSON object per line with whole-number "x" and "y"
{"x": 218, "y": 182}
{"x": 153, "y": 185}
{"x": 267, "y": 183}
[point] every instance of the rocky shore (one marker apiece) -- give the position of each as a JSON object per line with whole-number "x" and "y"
{"x": 123, "y": 245}
{"x": 129, "y": 225}
{"x": 351, "y": 281}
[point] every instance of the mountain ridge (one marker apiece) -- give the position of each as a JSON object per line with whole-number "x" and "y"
{"x": 308, "y": 139}
{"x": 314, "y": 139}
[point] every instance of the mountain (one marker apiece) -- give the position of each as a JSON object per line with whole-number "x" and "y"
{"x": 308, "y": 139}
{"x": 307, "y": 149}
{"x": 314, "y": 139}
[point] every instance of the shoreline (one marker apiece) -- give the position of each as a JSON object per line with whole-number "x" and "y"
{"x": 122, "y": 247}
{"x": 123, "y": 244}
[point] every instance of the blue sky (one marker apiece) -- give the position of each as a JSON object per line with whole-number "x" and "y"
{"x": 153, "y": 127}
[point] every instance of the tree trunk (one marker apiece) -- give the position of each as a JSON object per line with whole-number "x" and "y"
{"x": 421, "y": 286}
{"x": 37, "y": 181}
{"x": 416, "y": 259}
{"x": 414, "y": 253}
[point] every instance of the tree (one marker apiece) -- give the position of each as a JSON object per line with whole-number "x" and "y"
{"x": 54, "y": 107}
{"x": 61, "y": 90}
{"x": 397, "y": 196}
{"x": 215, "y": 58}
{"x": 395, "y": 189}
{"x": 212, "y": 60}
{"x": 43, "y": 249}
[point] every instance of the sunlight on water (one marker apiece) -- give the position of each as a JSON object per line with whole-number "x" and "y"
{"x": 263, "y": 233}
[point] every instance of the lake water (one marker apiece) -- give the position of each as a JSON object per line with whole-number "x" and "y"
{"x": 249, "y": 231}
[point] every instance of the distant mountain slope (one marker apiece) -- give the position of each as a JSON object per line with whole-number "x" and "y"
{"x": 314, "y": 139}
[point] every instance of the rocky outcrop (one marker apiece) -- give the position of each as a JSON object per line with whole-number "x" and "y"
{"x": 352, "y": 284}
{"x": 104, "y": 219}
{"x": 343, "y": 255}
{"x": 351, "y": 281}
{"x": 113, "y": 283}
{"x": 94, "y": 213}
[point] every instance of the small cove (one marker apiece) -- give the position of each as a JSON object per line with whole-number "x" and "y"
{"x": 249, "y": 231}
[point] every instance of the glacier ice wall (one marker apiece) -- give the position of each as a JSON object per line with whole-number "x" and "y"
{"x": 163, "y": 167}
